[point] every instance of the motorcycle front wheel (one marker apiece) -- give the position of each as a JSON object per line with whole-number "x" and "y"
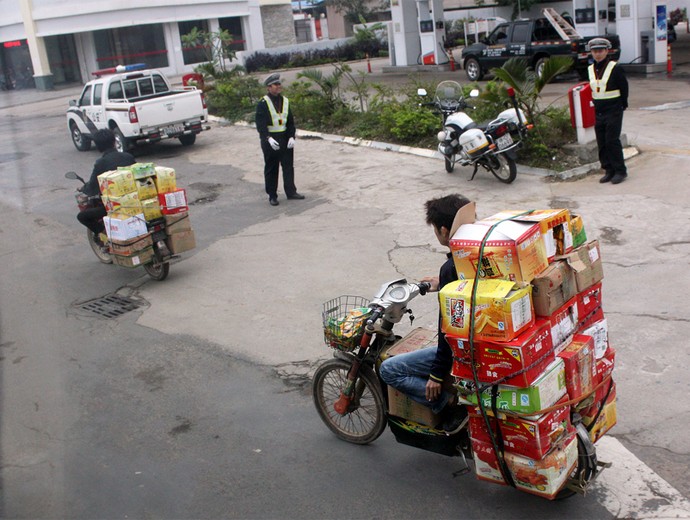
{"x": 365, "y": 419}
{"x": 98, "y": 248}
{"x": 450, "y": 165}
{"x": 503, "y": 168}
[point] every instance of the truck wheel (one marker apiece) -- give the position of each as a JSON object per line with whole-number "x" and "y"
{"x": 539, "y": 66}
{"x": 188, "y": 140}
{"x": 81, "y": 142}
{"x": 473, "y": 69}
{"x": 122, "y": 144}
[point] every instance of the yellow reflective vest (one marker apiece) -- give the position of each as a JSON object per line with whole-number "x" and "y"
{"x": 598, "y": 86}
{"x": 279, "y": 120}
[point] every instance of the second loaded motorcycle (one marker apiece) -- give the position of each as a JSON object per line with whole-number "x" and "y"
{"x": 492, "y": 146}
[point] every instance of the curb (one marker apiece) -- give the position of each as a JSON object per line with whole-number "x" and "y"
{"x": 572, "y": 174}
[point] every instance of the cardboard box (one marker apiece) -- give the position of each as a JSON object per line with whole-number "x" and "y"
{"x": 142, "y": 171}
{"x": 564, "y": 323}
{"x": 514, "y": 251}
{"x": 600, "y": 333}
{"x": 586, "y": 262}
{"x": 165, "y": 179}
{"x": 589, "y": 301}
{"x": 603, "y": 367}
{"x": 177, "y": 222}
{"x": 578, "y": 357}
{"x": 140, "y": 258}
{"x": 124, "y": 227}
{"x": 151, "y": 208}
{"x": 552, "y": 288}
{"x": 180, "y": 242}
{"x": 116, "y": 183}
{"x": 127, "y": 204}
{"x": 553, "y": 223}
{"x": 502, "y": 309}
{"x": 591, "y": 319}
{"x": 400, "y": 405}
{"x": 498, "y": 360}
{"x": 577, "y": 227}
{"x": 604, "y": 420}
{"x": 417, "y": 339}
{"x": 546, "y": 391}
{"x": 146, "y": 188}
{"x": 173, "y": 202}
{"x": 530, "y": 436}
{"x": 544, "y": 477}
{"x": 131, "y": 247}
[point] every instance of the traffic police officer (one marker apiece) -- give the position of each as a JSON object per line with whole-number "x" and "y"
{"x": 610, "y": 94}
{"x": 276, "y": 128}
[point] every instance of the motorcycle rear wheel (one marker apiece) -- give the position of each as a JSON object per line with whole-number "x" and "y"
{"x": 157, "y": 270}
{"x": 366, "y": 418}
{"x": 585, "y": 469}
{"x": 98, "y": 248}
{"x": 503, "y": 168}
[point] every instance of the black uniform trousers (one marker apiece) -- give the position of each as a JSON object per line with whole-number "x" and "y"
{"x": 273, "y": 159}
{"x": 92, "y": 218}
{"x": 608, "y": 128}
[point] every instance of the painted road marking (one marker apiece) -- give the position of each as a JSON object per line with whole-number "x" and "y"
{"x": 668, "y": 106}
{"x": 631, "y": 490}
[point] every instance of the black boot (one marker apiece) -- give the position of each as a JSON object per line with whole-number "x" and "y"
{"x": 607, "y": 177}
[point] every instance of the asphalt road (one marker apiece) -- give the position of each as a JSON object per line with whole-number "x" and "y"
{"x": 195, "y": 405}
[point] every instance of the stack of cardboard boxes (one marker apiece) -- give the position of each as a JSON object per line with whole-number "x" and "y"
{"x": 539, "y": 335}
{"x": 139, "y": 198}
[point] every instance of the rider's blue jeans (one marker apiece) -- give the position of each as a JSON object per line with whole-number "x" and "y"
{"x": 409, "y": 373}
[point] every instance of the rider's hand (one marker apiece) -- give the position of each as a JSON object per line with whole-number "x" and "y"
{"x": 433, "y": 280}
{"x": 274, "y": 144}
{"x": 433, "y": 390}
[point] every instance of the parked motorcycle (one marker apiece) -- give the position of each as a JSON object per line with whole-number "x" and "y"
{"x": 159, "y": 266}
{"x": 493, "y": 147}
{"x": 352, "y": 400}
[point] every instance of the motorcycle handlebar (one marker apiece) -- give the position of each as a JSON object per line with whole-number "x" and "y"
{"x": 375, "y": 316}
{"x": 424, "y": 287}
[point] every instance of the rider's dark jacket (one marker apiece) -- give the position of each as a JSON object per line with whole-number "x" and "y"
{"x": 110, "y": 160}
{"x": 444, "y": 355}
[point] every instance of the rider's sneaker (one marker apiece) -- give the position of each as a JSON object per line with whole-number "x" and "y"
{"x": 454, "y": 419}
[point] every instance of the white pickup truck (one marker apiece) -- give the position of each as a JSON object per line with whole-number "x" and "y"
{"x": 140, "y": 107}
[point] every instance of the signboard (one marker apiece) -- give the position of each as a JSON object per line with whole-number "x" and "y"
{"x": 661, "y": 23}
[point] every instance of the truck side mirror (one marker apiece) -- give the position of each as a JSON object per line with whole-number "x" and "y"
{"x": 73, "y": 102}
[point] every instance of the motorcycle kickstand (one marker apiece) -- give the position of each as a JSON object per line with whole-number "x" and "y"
{"x": 476, "y": 167}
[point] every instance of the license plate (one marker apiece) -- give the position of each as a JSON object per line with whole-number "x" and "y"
{"x": 173, "y": 129}
{"x": 504, "y": 141}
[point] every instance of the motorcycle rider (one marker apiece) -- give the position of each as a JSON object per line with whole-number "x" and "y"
{"x": 610, "y": 95}
{"x": 104, "y": 139}
{"x": 420, "y": 374}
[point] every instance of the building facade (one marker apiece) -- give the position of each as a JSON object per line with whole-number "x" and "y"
{"x": 49, "y": 42}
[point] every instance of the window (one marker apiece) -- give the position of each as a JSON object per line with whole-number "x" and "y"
{"x": 85, "y": 98}
{"x": 196, "y": 53}
{"x": 131, "y": 90}
{"x": 234, "y": 27}
{"x": 500, "y": 35}
{"x": 129, "y": 45}
{"x": 97, "y": 91}
{"x": 145, "y": 87}
{"x": 520, "y": 33}
{"x": 159, "y": 84}
{"x": 115, "y": 91}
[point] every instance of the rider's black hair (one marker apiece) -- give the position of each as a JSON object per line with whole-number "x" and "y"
{"x": 441, "y": 212}
{"x": 104, "y": 139}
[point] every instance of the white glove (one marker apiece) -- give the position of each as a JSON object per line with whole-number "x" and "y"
{"x": 274, "y": 144}
{"x": 291, "y": 143}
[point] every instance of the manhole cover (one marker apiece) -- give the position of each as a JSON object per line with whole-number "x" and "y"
{"x": 109, "y": 306}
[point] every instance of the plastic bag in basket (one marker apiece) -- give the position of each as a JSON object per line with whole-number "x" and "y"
{"x": 345, "y": 330}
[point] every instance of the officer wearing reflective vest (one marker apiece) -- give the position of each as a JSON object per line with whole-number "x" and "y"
{"x": 610, "y": 95}
{"x": 276, "y": 128}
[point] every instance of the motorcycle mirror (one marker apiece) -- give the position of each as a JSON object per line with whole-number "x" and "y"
{"x": 73, "y": 102}
{"x": 474, "y": 93}
{"x": 74, "y": 176}
{"x": 421, "y": 92}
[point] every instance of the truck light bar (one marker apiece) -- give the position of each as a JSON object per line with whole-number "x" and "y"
{"x": 119, "y": 69}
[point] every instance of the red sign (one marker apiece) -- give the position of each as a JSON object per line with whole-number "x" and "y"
{"x": 15, "y": 43}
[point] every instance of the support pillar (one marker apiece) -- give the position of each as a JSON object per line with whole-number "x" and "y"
{"x": 43, "y": 77}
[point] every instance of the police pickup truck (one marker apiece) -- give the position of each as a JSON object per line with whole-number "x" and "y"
{"x": 139, "y": 106}
{"x": 534, "y": 40}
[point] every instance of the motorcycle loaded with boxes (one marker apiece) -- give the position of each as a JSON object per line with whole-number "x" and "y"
{"x": 148, "y": 218}
{"x": 531, "y": 359}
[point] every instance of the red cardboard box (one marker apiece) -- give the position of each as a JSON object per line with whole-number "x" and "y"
{"x": 498, "y": 360}
{"x": 564, "y": 323}
{"x": 590, "y": 320}
{"x": 578, "y": 357}
{"x": 589, "y": 301}
{"x": 604, "y": 367}
{"x": 606, "y": 419}
{"x": 173, "y": 202}
{"x": 530, "y": 437}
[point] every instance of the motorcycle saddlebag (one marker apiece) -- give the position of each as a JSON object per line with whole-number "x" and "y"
{"x": 473, "y": 142}
{"x": 427, "y": 438}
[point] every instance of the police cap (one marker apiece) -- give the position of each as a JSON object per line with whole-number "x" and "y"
{"x": 598, "y": 43}
{"x": 272, "y": 80}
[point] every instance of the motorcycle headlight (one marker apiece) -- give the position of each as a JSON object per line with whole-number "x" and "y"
{"x": 441, "y": 136}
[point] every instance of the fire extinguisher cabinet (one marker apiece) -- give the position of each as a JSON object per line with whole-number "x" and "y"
{"x": 582, "y": 111}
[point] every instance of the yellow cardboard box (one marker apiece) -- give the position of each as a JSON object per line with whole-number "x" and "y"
{"x": 165, "y": 179}
{"x": 513, "y": 250}
{"x": 502, "y": 309}
{"x": 116, "y": 183}
{"x": 146, "y": 188}
{"x": 128, "y": 204}
{"x": 151, "y": 208}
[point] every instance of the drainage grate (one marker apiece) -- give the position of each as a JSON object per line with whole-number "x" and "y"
{"x": 109, "y": 306}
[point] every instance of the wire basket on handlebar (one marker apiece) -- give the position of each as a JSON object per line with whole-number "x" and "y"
{"x": 344, "y": 319}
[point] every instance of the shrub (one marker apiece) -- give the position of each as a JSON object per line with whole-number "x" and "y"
{"x": 235, "y": 98}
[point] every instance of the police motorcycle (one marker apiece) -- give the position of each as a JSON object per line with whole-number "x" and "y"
{"x": 493, "y": 146}
{"x": 353, "y": 402}
{"x": 157, "y": 267}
